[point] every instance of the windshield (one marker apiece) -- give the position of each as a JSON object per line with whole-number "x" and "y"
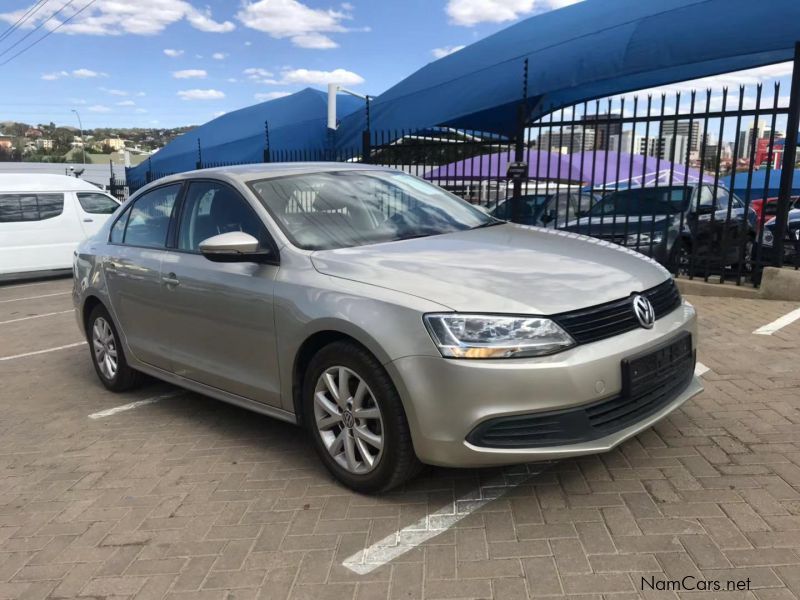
{"x": 643, "y": 202}
{"x": 342, "y": 209}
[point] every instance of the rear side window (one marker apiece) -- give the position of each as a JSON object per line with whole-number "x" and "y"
{"x": 30, "y": 207}
{"x": 149, "y": 217}
{"x": 97, "y": 204}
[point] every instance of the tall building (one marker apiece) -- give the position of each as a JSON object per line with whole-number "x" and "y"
{"x": 605, "y": 126}
{"x": 683, "y": 128}
{"x": 757, "y": 132}
{"x": 567, "y": 140}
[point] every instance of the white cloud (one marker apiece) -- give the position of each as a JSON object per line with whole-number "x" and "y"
{"x": 87, "y": 74}
{"x": 54, "y": 75}
{"x": 190, "y": 74}
{"x": 219, "y": 113}
{"x": 219, "y": 56}
{"x": 313, "y": 77}
{"x": 197, "y": 94}
{"x": 173, "y": 53}
{"x": 271, "y": 96}
{"x": 248, "y": 43}
{"x": 305, "y": 26}
{"x": 445, "y": 50}
{"x": 260, "y": 75}
{"x": 114, "y": 92}
{"x": 141, "y": 111}
{"x": 126, "y": 103}
{"x": 99, "y": 108}
{"x": 472, "y": 12}
{"x": 77, "y": 74}
{"x": 112, "y": 17}
{"x": 232, "y": 80}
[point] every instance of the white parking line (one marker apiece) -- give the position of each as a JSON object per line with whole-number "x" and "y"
{"x": 23, "y": 285}
{"x": 132, "y": 405}
{"x": 34, "y": 297}
{"x": 61, "y": 312}
{"x": 700, "y": 369}
{"x": 406, "y": 539}
{"x": 45, "y": 351}
{"x": 780, "y": 323}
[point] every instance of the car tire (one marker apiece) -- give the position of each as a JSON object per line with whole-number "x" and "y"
{"x": 107, "y": 354}
{"x": 345, "y": 442}
{"x": 680, "y": 258}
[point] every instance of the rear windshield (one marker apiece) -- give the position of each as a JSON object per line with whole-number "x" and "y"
{"x": 643, "y": 202}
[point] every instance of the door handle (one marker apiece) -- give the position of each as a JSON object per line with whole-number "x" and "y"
{"x": 88, "y": 220}
{"x": 171, "y": 279}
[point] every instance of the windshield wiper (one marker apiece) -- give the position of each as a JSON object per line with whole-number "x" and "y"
{"x": 489, "y": 224}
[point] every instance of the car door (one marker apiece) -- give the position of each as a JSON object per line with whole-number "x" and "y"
{"x": 219, "y": 316}
{"x": 132, "y": 267}
{"x": 38, "y": 231}
{"x": 93, "y": 209}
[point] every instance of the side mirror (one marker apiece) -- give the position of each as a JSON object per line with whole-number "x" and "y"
{"x": 583, "y": 213}
{"x": 234, "y": 246}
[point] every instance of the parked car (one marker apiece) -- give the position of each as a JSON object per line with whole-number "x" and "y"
{"x": 765, "y": 252}
{"x": 765, "y": 210}
{"x": 545, "y": 210}
{"x": 683, "y": 228}
{"x": 42, "y": 220}
{"x": 398, "y": 323}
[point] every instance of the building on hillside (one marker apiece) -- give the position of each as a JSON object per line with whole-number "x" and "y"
{"x": 33, "y": 132}
{"x": 116, "y": 144}
{"x": 44, "y": 144}
{"x": 6, "y": 142}
{"x": 688, "y": 129}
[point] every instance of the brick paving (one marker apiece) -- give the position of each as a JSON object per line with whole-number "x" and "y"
{"x": 191, "y": 498}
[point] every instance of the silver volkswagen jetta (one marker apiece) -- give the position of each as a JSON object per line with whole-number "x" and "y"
{"x": 397, "y": 323}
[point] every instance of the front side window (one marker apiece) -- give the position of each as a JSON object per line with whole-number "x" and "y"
{"x": 97, "y": 204}
{"x": 148, "y": 222}
{"x": 30, "y": 207}
{"x": 213, "y": 208}
{"x": 342, "y": 209}
{"x": 118, "y": 228}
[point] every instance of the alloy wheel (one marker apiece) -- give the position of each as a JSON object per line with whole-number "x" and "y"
{"x": 348, "y": 420}
{"x": 105, "y": 348}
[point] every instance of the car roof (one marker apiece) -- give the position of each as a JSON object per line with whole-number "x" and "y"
{"x": 254, "y": 172}
{"x": 43, "y": 182}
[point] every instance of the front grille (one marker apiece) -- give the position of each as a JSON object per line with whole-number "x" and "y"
{"x": 613, "y": 318}
{"x": 650, "y": 382}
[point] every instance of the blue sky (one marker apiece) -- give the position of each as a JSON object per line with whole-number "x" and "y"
{"x": 163, "y": 63}
{"x": 179, "y": 62}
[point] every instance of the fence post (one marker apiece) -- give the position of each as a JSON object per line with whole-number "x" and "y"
{"x": 519, "y": 145}
{"x": 789, "y": 157}
{"x": 366, "y": 146}
{"x": 266, "y": 142}
{"x": 199, "y": 163}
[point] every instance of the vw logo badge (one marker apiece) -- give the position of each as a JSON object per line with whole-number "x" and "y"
{"x": 644, "y": 311}
{"x": 349, "y": 419}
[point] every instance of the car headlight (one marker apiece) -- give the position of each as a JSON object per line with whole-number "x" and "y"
{"x": 644, "y": 239}
{"x": 493, "y": 336}
{"x": 768, "y": 238}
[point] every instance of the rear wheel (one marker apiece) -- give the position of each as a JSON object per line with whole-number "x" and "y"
{"x": 107, "y": 354}
{"x": 356, "y": 419}
{"x": 680, "y": 258}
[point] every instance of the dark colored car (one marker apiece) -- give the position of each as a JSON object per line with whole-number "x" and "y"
{"x": 765, "y": 253}
{"x": 686, "y": 228}
{"x": 546, "y": 210}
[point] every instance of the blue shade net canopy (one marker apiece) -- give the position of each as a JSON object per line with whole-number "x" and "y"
{"x": 296, "y": 122}
{"x": 592, "y": 49}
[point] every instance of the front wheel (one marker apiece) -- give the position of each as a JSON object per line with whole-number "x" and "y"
{"x": 356, "y": 420}
{"x": 107, "y": 354}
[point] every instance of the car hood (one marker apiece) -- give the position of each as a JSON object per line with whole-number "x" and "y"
{"x": 505, "y": 269}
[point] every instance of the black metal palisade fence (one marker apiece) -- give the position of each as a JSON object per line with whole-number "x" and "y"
{"x": 688, "y": 178}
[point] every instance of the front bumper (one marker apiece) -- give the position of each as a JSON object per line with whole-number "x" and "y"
{"x": 446, "y": 399}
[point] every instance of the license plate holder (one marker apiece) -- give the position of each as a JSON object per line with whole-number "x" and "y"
{"x": 638, "y": 367}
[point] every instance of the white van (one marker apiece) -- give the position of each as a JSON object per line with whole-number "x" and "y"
{"x": 42, "y": 220}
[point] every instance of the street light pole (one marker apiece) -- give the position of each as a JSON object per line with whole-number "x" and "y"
{"x": 83, "y": 141}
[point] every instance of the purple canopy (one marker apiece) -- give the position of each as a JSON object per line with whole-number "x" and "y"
{"x": 598, "y": 168}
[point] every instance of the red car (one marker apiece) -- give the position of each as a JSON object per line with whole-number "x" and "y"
{"x": 771, "y": 210}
